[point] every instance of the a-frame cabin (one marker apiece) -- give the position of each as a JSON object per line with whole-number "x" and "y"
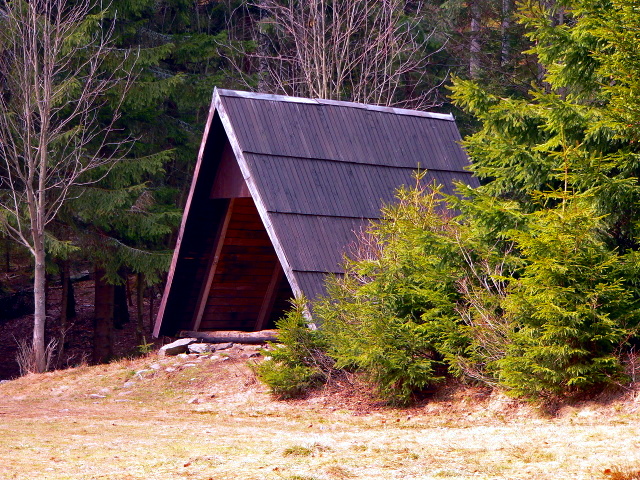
{"x": 279, "y": 191}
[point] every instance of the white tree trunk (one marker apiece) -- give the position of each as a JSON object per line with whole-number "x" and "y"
{"x": 40, "y": 310}
{"x": 474, "y": 44}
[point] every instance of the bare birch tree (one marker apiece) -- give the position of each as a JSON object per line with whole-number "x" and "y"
{"x": 53, "y": 86}
{"x": 367, "y": 51}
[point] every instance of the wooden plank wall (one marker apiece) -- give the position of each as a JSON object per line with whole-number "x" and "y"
{"x": 243, "y": 275}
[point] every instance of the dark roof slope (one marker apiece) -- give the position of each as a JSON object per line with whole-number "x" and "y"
{"x": 322, "y": 168}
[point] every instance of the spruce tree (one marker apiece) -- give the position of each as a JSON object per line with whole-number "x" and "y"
{"x": 125, "y": 223}
{"x": 523, "y": 143}
{"x": 568, "y": 306}
{"x": 393, "y": 314}
{"x": 566, "y": 156}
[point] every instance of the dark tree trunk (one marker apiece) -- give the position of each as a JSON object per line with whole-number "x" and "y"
{"x": 103, "y": 319}
{"x": 474, "y": 42}
{"x": 140, "y": 308}
{"x": 67, "y": 306}
{"x": 128, "y": 289}
{"x": 71, "y": 299}
{"x": 263, "y": 51}
{"x": 151, "y": 316}
{"x": 120, "y": 307}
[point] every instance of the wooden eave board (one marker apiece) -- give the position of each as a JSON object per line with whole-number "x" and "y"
{"x": 318, "y": 101}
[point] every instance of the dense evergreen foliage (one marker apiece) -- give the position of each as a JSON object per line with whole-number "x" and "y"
{"x": 569, "y": 308}
{"x": 394, "y": 310}
{"x": 567, "y": 157}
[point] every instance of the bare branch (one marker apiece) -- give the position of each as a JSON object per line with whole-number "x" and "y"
{"x": 366, "y": 51}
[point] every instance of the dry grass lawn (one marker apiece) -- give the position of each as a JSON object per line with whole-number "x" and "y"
{"x": 209, "y": 419}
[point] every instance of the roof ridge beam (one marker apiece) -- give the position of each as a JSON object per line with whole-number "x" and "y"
{"x": 339, "y": 103}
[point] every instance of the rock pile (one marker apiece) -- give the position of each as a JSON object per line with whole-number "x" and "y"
{"x": 193, "y": 346}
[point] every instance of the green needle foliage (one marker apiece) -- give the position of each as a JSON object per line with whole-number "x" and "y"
{"x": 575, "y": 117}
{"x": 392, "y": 315}
{"x": 125, "y": 219}
{"x": 566, "y": 157}
{"x": 126, "y": 222}
{"x": 298, "y": 362}
{"x": 541, "y": 308}
{"x": 569, "y": 306}
{"x": 533, "y": 285}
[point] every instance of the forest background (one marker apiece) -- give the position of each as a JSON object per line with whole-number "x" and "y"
{"x": 544, "y": 89}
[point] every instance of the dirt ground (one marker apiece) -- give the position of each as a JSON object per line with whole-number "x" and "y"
{"x": 208, "y": 418}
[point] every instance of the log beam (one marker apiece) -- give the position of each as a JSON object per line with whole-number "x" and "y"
{"x": 250, "y": 338}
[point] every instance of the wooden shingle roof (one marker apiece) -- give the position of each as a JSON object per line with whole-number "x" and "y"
{"x": 320, "y": 170}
